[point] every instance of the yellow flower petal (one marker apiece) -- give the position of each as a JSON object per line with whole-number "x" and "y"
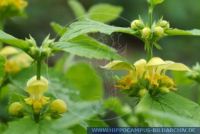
{"x": 177, "y": 67}
{"x": 156, "y": 61}
{"x": 36, "y": 88}
{"x": 37, "y": 106}
{"x": 140, "y": 66}
{"x": 8, "y": 50}
{"x": 29, "y": 101}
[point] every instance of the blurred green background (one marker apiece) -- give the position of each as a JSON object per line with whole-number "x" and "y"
{"x": 182, "y": 14}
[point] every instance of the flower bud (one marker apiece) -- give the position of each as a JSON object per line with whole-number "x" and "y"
{"x": 132, "y": 120}
{"x": 146, "y": 32}
{"x": 142, "y": 92}
{"x": 126, "y": 109}
{"x": 36, "y": 88}
{"x": 137, "y": 24}
{"x": 58, "y": 106}
{"x": 15, "y": 108}
{"x": 164, "y": 24}
{"x": 164, "y": 90}
{"x": 159, "y": 31}
{"x": 34, "y": 51}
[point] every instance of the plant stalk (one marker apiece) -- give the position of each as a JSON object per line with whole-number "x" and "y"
{"x": 36, "y": 117}
{"x": 38, "y": 69}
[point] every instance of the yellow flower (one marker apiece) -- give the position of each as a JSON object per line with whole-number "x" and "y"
{"x": 36, "y": 88}
{"x": 150, "y": 75}
{"x": 19, "y": 4}
{"x": 126, "y": 82}
{"x": 11, "y": 66}
{"x": 58, "y": 106}
{"x": 15, "y": 108}
{"x": 15, "y": 59}
{"x": 37, "y": 103}
{"x": 4, "y": 3}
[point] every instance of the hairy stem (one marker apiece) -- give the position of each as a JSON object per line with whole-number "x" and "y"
{"x": 37, "y": 117}
{"x": 38, "y": 69}
{"x": 150, "y": 14}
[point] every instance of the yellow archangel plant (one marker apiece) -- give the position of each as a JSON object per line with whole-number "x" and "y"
{"x": 146, "y": 76}
{"x": 36, "y": 89}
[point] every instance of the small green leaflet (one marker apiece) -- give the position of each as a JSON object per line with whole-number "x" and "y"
{"x": 176, "y": 32}
{"x": 90, "y": 26}
{"x": 87, "y": 47}
{"x": 155, "y": 2}
{"x": 8, "y": 39}
{"x": 60, "y": 30}
{"x": 104, "y": 12}
{"x": 178, "y": 110}
{"x": 77, "y": 8}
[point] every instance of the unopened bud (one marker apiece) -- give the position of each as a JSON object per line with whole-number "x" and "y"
{"x": 126, "y": 109}
{"x": 137, "y": 24}
{"x": 58, "y": 106}
{"x": 146, "y": 32}
{"x": 142, "y": 92}
{"x": 15, "y": 108}
{"x": 164, "y": 90}
{"x": 164, "y": 24}
{"x": 159, "y": 31}
{"x": 132, "y": 120}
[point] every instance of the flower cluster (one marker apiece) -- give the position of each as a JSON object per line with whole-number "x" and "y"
{"x": 15, "y": 59}
{"x": 156, "y": 31}
{"x": 11, "y": 8}
{"x": 37, "y": 101}
{"x": 17, "y": 4}
{"x": 146, "y": 76}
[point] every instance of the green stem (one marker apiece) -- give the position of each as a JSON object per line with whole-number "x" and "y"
{"x": 149, "y": 49}
{"x": 38, "y": 69}
{"x": 1, "y": 24}
{"x": 36, "y": 117}
{"x": 150, "y": 14}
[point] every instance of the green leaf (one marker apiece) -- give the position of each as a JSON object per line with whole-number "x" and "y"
{"x": 118, "y": 65}
{"x": 60, "y": 30}
{"x": 155, "y": 2}
{"x": 84, "y": 78}
{"x": 169, "y": 110}
{"x": 8, "y": 39}
{"x": 77, "y": 8}
{"x": 2, "y": 71}
{"x": 28, "y": 126}
{"x": 90, "y": 26}
{"x": 88, "y": 47}
{"x": 104, "y": 12}
{"x": 78, "y": 112}
{"x": 175, "y": 32}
